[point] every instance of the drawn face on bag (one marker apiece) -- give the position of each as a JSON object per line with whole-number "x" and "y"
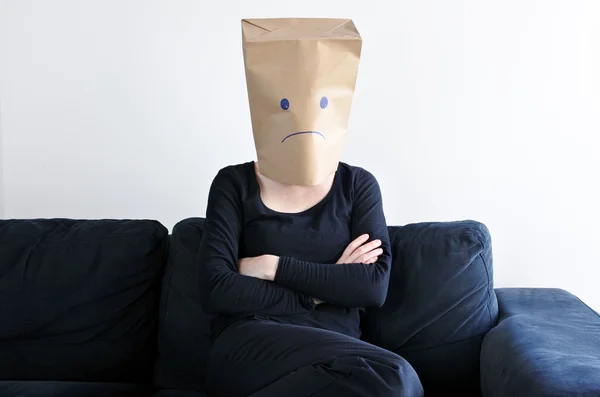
{"x": 300, "y": 75}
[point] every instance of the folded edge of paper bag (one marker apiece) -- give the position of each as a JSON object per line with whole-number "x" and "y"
{"x": 266, "y": 29}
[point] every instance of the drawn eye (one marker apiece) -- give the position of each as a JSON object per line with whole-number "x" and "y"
{"x": 285, "y": 104}
{"x": 324, "y": 102}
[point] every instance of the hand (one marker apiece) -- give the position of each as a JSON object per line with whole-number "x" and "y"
{"x": 359, "y": 251}
{"x": 263, "y": 267}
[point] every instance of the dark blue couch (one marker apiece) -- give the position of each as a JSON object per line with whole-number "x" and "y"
{"x": 111, "y": 308}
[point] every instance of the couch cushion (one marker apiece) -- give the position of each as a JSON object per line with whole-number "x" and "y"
{"x": 440, "y": 303}
{"x": 78, "y": 299}
{"x": 547, "y": 344}
{"x": 71, "y": 389}
{"x": 184, "y": 333}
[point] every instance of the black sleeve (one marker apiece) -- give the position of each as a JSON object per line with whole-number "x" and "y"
{"x": 348, "y": 285}
{"x": 227, "y": 291}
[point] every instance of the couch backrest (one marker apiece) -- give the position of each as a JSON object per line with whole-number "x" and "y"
{"x": 78, "y": 299}
{"x": 184, "y": 330}
{"x": 440, "y": 304}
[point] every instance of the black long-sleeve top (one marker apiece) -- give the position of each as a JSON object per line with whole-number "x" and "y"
{"x": 309, "y": 244}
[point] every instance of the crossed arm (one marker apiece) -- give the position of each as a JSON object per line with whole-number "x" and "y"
{"x": 285, "y": 285}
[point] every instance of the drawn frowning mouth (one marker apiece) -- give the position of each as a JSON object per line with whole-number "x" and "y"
{"x": 303, "y": 132}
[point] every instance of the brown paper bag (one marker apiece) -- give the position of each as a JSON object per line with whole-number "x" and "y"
{"x": 300, "y": 75}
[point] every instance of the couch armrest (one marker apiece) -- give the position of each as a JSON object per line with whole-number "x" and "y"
{"x": 547, "y": 343}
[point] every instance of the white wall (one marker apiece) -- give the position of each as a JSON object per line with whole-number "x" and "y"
{"x": 464, "y": 109}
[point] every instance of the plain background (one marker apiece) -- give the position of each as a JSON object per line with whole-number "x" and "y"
{"x": 485, "y": 110}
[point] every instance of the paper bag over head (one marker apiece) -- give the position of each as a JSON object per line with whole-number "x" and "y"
{"x": 300, "y": 75}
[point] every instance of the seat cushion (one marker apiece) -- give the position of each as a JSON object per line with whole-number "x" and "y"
{"x": 71, "y": 389}
{"x": 184, "y": 333}
{"x": 440, "y": 303}
{"x": 78, "y": 299}
{"x": 546, "y": 344}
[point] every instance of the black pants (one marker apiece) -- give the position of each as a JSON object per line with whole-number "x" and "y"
{"x": 261, "y": 358}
